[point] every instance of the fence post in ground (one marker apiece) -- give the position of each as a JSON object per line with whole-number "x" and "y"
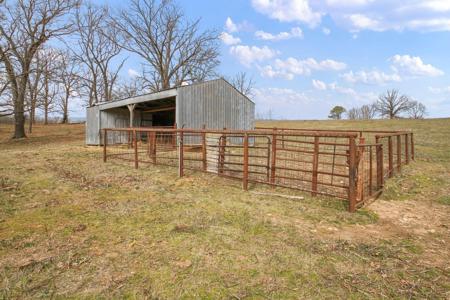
{"x": 204, "y": 148}
{"x": 315, "y": 166}
{"x": 222, "y": 144}
{"x": 399, "y": 153}
{"x": 380, "y": 175}
{"x": 406, "y": 149}
{"x": 274, "y": 157}
{"x": 370, "y": 170}
{"x": 245, "y": 171}
{"x": 391, "y": 157}
{"x": 412, "y": 145}
{"x": 360, "y": 165}
{"x": 180, "y": 154}
{"x": 352, "y": 175}
{"x": 136, "y": 162}
{"x": 105, "y": 140}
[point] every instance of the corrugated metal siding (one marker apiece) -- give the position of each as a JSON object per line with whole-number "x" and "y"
{"x": 92, "y": 123}
{"x": 215, "y": 104}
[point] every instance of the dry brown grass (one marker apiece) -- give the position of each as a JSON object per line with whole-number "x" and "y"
{"x": 71, "y": 226}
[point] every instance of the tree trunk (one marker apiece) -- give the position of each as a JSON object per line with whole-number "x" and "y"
{"x": 19, "y": 116}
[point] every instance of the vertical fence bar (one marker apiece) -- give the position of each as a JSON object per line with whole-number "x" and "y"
{"x": 204, "y": 148}
{"x": 352, "y": 175}
{"x": 406, "y": 149}
{"x": 153, "y": 146}
{"x": 222, "y": 145}
{"x": 105, "y": 140}
{"x": 274, "y": 157}
{"x": 412, "y": 145}
{"x": 380, "y": 168}
{"x": 361, "y": 171}
{"x": 391, "y": 157}
{"x": 245, "y": 171}
{"x": 180, "y": 154}
{"x": 315, "y": 166}
{"x": 136, "y": 158}
{"x": 370, "y": 170}
{"x": 399, "y": 153}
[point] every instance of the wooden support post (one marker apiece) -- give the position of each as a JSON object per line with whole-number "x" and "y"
{"x": 181, "y": 155}
{"x": 352, "y": 175}
{"x": 399, "y": 153}
{"x": 380, "y": 175}
{"x": 315, "y": 166}
{"x": 390, "y": 157}
{"x": 406, "y": 149}
{"x": 136, "y": 158}
{"x": 274, "y": 158}
{"x": 222, "y": 144}
{"x": 204, "y": 166}
{"x": 412, "y": 146}
{"x": 105, "y": 141}
{"x": 131, "y": 109}
{"x": 245, "y": 170}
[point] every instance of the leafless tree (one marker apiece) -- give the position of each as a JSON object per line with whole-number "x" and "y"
{"x": 391, "y": 104}
{"x": 354, "y": 113}
{"x": 417, "y": 110}
{"x": 25, "y": 25}
{"x": 243, "y": 83}
{"x": 368, "y": 111}
{"x": 174, "y": 49}
{"x": 6, "y": 105}
{"x": 97, "y": 50}
{"x": 68, "y": 77}
{"x": 125, "y": 89}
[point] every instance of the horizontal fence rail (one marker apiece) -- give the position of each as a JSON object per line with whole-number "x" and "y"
{"x": 336, "y": 163}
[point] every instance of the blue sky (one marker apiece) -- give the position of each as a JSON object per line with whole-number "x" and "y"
{"x": 306, "y": 56}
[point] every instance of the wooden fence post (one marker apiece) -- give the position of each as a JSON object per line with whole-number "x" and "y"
{"x": 412, "y": 146}
{"x": 274, "y": 158}
{"x": 136, "y": 162}
{"x": 222, "y": 145}
{"x": 245, "y": 170}
{"x": 315, "y": 166}
{"x": 181, "y": 154}
{"x": 391, "y": 157}
{"x": 399, "y": 153}
{"x": 406, "y": 149}
{"x": 105, "y": 141}
{"x": 352, "y": 175}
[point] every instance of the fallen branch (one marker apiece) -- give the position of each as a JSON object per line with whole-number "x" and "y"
{"x": 278, "y": 195}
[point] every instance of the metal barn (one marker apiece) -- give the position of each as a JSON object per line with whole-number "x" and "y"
{"x": 215, "y": 104}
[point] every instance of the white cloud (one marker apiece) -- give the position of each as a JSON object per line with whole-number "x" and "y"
{"x": 357, "y": 15}
{"x": 229, "y": 39}
{"x": 437, "y": 90}
{"x": 288, "y": 10}
{"x": 319, "y": 85}
{"x": 295, "y": 32}
{"x": 413, "y": 65}
{"x": 133, "y": 73}
{"x": 250, "y": 54}
{"x": 326, "y": 31}
{"x": 291, "y": 66}
{"x": 230, "y": 26}
{"x": 370, "y": 77}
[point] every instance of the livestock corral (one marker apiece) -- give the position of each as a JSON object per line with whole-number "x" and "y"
{"x": 345, "y": 164}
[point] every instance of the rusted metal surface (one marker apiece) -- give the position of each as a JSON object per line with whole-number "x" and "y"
{"x": 331, "y": 163}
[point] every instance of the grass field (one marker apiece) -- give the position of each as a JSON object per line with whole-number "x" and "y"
{"x": 72, "y": 226}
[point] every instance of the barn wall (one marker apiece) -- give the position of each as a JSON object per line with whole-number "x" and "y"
{"x": 216, "y": 104}
{"x": 92, "y": 125}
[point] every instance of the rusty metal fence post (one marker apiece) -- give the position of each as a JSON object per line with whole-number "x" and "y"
{"x": 406, "y": 149}
{"x": 390, "y": 157}
{"x": 352, "y": 175}
{"x": 245, "y": 170}
{"x": 399, "y": 153}
{"x": 360, "y": 165}
{"x": 204, "y": 166}
{"x": 181, "y": 154}
{"x": 105, "y": 140}
{"x": 274, "y": 158}
{"x": 412, "y": 145}
{"x": 380, "y": 169}
{"x": 136, "y": 158}
{"x": 315, "y": 165}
